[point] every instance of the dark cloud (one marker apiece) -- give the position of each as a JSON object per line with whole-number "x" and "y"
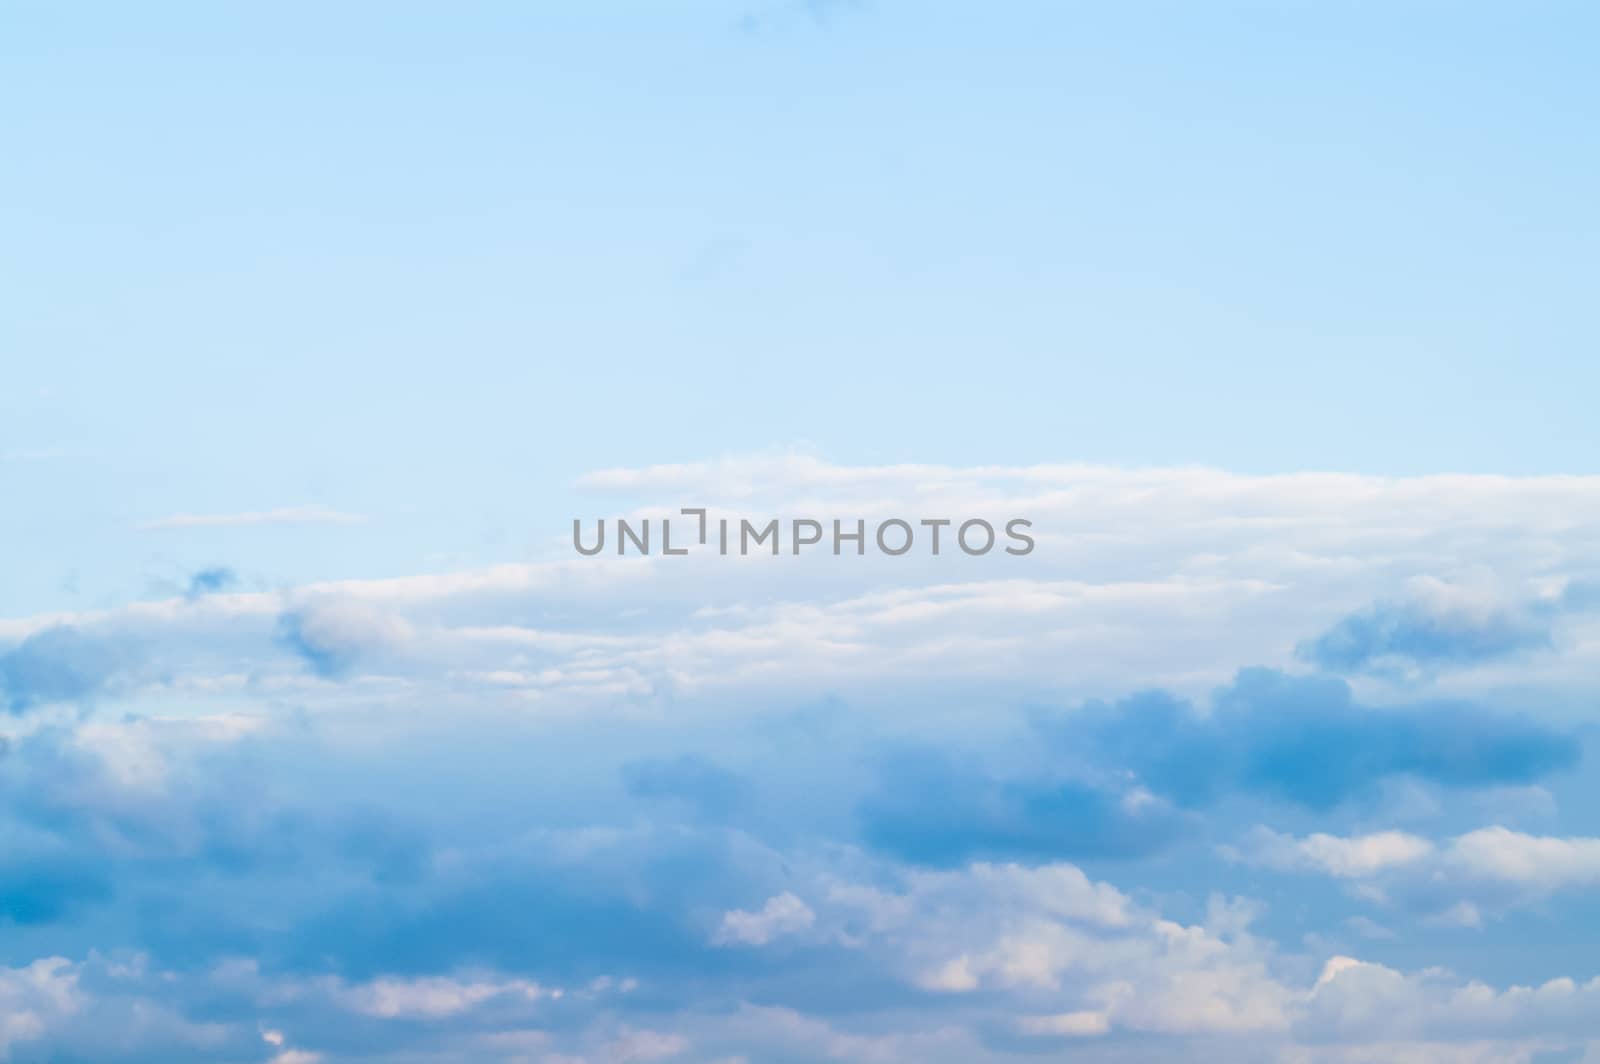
{"x": 79, "y": 835}
{"x": 930, "y": 810}
{"x": 57, "y": 665}
{"x": 639, "y": 901}
{"x": 211, "y": 580}
{"x": 1123, "y": 773}
{"x": 1417, "y": 634}
{"x": 1305, "y": 740}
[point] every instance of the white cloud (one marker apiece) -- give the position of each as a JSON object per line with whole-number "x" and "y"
{"x": 432, "y": 997}
{"x": 782, "y": 915}
{"x": 968, "y": 931}
{"x": 1353, "y": 857}
{"x": 297, "y": 1056}
{"x": 636, "y": 1047}
{"x": 1368, "y": 1001}
{"x": 1458, "y": 879}
{"x": 94, "y": 1008}
{"x": 1069, "y": 1024}
{"x": 36, "y": 998}
{"x": 1540, "y": 863}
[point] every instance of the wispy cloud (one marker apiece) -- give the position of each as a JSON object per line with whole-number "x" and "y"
{"x": 283, "y": 515}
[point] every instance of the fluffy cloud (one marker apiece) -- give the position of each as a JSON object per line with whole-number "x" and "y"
{"x": 35, "y": 998}
{"x": 782, "y": 915}
{"x": 1501, "y": 855}
{"x": 332, "y": 635}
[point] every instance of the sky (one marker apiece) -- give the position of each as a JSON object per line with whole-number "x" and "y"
{"x": 322, "y": 324}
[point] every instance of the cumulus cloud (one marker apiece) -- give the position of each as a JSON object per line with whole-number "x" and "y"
{"x": 1374, "y": 1002}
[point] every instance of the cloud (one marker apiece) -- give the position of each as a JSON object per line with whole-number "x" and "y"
{"x": 284, "y": 515}
{"x": 103, "y": 813}
{"x": 1305, "y": 740}
{"x": 59, "y": 664}
{"x": 1165, "y": 578}
{"x": 296, "y": 1056}
{"x": 930, "y": 810}
{"x": 1438, "y": 626}
{"x": 1542, "y": 863}
{"x": 878, "y": 962}
{"x": 461, "y": 795}
{"x": 561, "y": 907}
{"x": 429, "y": 997}
{"x": 1456, "y": 881}
{"x": 97, "y": 1009}
{"x": 331, "y": 635}
{"x": 1373, "y": 1002}
{"x": 211, "y": 580}
{"x": 782, "y": 915}
{"x": 35, "y": 998}
{"x": 1057, "y": 944}
{"x": 1351, "y": 858}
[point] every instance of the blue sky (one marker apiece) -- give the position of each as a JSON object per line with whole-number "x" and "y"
{"x": 322, "y": 323}
{"x": 436, "y": 269}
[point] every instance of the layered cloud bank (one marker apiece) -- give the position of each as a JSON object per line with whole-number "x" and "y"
{"x": 1243, "y": 768}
